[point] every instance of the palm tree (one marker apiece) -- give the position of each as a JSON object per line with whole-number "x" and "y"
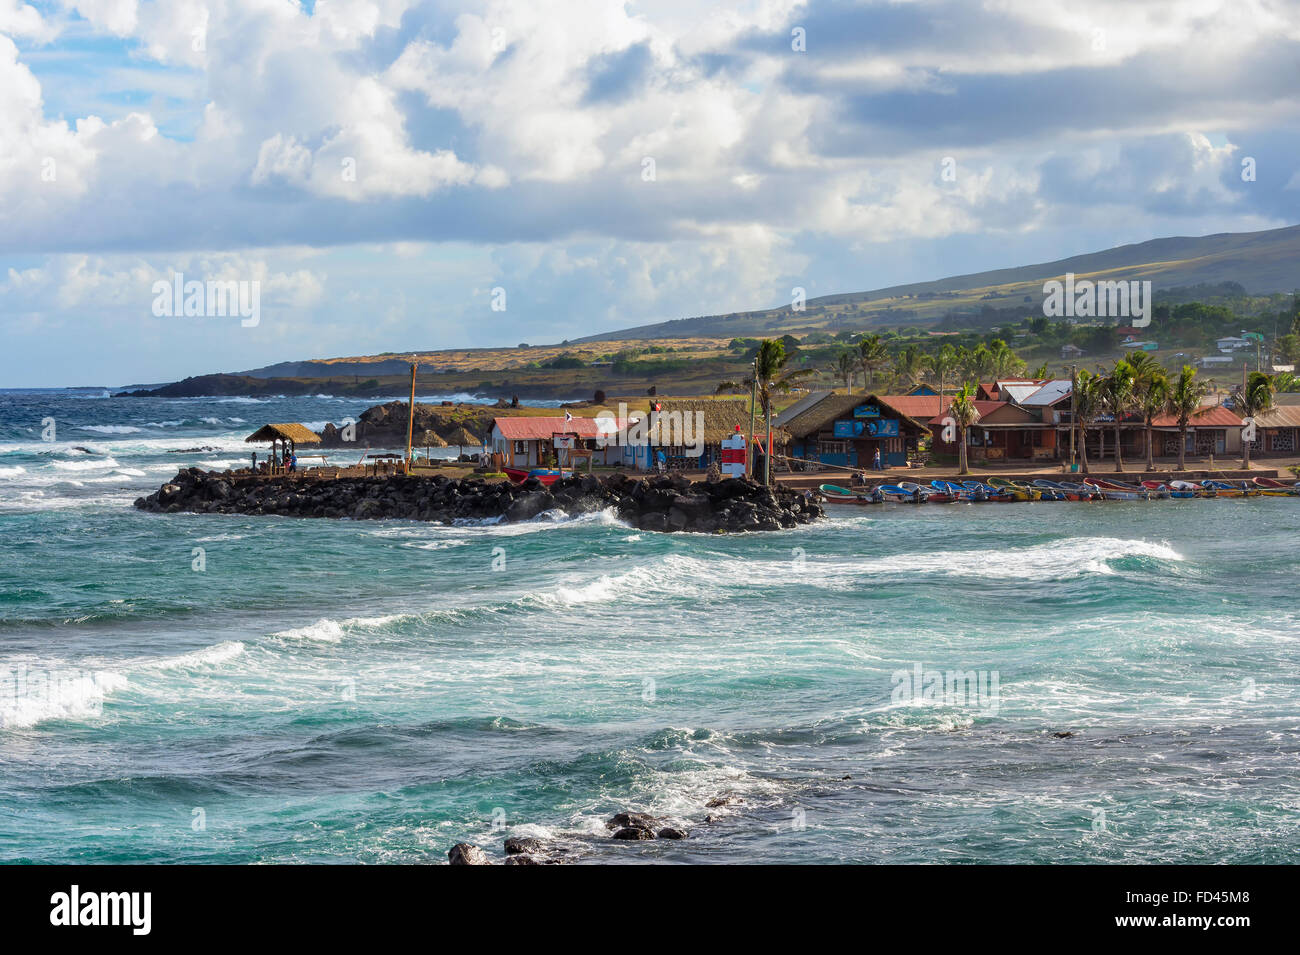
{"x": 770, "y": 378}
{"x": 872, "y": 354}
{"x": 1150, "y": 395}
{"x": 1256, "y": 396}
{"x": 964, "y": 414}
{"x": 1004, "y": 363}
{"x": 1184, "y": 401}
{"x": 1117, "y": 392}
{"x": 909, "y": 364}
{"x": 1089, "y": 400}
{"x": 1285, "y": 381}
{"x": 942, "y": 364}
{"x": 845, "y": 366}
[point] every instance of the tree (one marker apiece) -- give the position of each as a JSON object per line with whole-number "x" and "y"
{"x": 872, "y": 355}
{"x": 1089, "y": 401}
{"x": 1117, "y": 392}
{"x": 942, "y": 364}
{"x": 910, "y": 364}
{"x": 769, "y": 378}
{"x": 1285, "y": 381}
{"x": 964, "y": 414}
{"x": 1150, "y": 395}
{"x": 1185, "y": 396}
{"x": 845, "y": 365}
{"x": 1256, "y": 396}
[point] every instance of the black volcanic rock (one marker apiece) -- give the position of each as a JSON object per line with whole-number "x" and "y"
{"x": 659, "y": 504}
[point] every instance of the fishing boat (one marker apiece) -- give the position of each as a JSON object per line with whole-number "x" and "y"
{"x": 1059, "y": 491}
{"x": 928, "y": 495}
{"x": 988, "y": 491}
{"x": 547, "y": 476}
{"x": 1017, "y": 492}
{"x": 1223, "y": 489}
{"x": 1082, "y": 492}
{"x": 1162, "y": 490}
{"x": 1195, "y": 490}
{"x": 954, "y": 491}
{"x": 1114, "y": 491}
{"x": 835, "y": 494}
{"x": 897, "y": 494}
{"x": 1041, "y": 493}
{"x": 1275, "y": 488}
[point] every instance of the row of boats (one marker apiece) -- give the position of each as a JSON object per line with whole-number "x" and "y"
{"x": 1091, "y": 489}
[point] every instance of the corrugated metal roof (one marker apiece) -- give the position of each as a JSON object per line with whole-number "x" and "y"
{"x": 1208, "y": 417}
{"x": 1019, "y": 393}
{"x": 985, "y": 408}
{"x": 798, "y": 408}
{"x": 540, "y": 429}
{"x": 1049, "y": 394}
{"x": 1279, "y": 416}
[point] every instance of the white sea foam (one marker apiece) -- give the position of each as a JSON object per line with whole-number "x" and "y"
{"x": 13, "y": 471}
{"x": 32, "y": 696}
{"x": 97, "y": 464}
{"x": 208, "y": 656}
{"x": 110, "y": 428}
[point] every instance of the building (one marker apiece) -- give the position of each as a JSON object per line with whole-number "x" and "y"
{"x": 1277, "y": 430}
{"x": 527, "y": 443}
{"x": 1005, "y": 431}
{"x": 1214, "y": 361}
{"x": 847, "y": 430}
{"x": 1212, "y": 430}
{"x": 1069, "y": 352}
{"x": 689, "y": 431}
{"x": 1231, "y": 344}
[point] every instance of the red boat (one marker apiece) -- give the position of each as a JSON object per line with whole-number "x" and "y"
{"x": 547, "y": 476}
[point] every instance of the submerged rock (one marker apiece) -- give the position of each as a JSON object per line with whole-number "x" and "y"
{"x": 661, "y": 503}
{"x": 462, "y": 853}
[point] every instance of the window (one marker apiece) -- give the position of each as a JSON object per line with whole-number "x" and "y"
{"x": 832, "y": 447}
{"x": 521, "y": 447}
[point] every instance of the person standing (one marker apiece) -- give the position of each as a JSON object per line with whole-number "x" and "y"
{"x": 876, "y": 459}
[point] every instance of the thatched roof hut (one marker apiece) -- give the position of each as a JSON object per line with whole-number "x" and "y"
{"x": 293, "y": 433}
{"x": 462, "y": 437}
{"x": 432, "y": 439}
{"x": 720, "y": 416}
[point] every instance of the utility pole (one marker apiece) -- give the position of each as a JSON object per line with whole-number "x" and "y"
{"x": 410, "y": 418}
{"x": 753, "y": 409}
{"x": 1074, "y": 388}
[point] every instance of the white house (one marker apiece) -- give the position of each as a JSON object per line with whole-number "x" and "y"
{"x": 1233, "y": 343}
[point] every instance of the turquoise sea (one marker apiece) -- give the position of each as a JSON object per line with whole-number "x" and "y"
{"x": 881, "y": 687}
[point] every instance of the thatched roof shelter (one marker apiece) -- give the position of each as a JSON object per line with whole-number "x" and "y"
{"x": 462, "y": 437}
{"x": 432, "y": 439}
{"x": 293, "y": 433}
{"x": 720, "y": 417}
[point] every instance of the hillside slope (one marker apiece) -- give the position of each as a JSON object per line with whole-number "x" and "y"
{"x": 1263, "y": 262}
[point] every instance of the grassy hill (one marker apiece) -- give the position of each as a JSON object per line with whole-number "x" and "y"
{"x": 1262, "y": 262}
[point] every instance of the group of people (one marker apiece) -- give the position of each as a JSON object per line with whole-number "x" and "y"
{"x": 291, "y": 464}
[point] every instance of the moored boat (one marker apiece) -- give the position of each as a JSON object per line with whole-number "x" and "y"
{"x": 1276, "y": 488}
{"x": 1114, "y": 491}
{"x": 842, "y": 495}
{"x": 547, "y": 476}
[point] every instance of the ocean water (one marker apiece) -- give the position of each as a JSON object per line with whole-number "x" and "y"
{"x": 189, "y": 688}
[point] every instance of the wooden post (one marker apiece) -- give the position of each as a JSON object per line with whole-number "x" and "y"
{"x": 753, "y": 408}
{"x": 410, "y": 418}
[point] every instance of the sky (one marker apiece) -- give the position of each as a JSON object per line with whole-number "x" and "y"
{"x": 392, "y": 175}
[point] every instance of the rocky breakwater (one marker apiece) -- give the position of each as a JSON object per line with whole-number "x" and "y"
{"x": 661, "y": 503}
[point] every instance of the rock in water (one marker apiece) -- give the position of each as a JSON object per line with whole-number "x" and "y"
{"x": 669, "y": 832}
{"x": 659, "y": 503}
{"x": 632, "y": 834}
{"x": 517, "y": 845}
{"x": 632, "y": 820}
{"x": 462, "y": 853}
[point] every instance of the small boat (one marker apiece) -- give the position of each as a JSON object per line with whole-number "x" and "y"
{"x": 928, "y": 496}
{"x": 1195, "y": 490}
{"x": 1081, "y": 492}
{"x": 1114, "y": 491}
{"x": 835, "y": 494}
{"x": 1017, "y": 492}
{"x": 1275, "y": 488}
{"x": 1223, "y": 489}
{"x": 897, "y": 494}
{"x": 955, "y": 491}
{"x": 1162, "y": 490}
{"x": 1056, "y": 491}
{"x": 547, "y": 476}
